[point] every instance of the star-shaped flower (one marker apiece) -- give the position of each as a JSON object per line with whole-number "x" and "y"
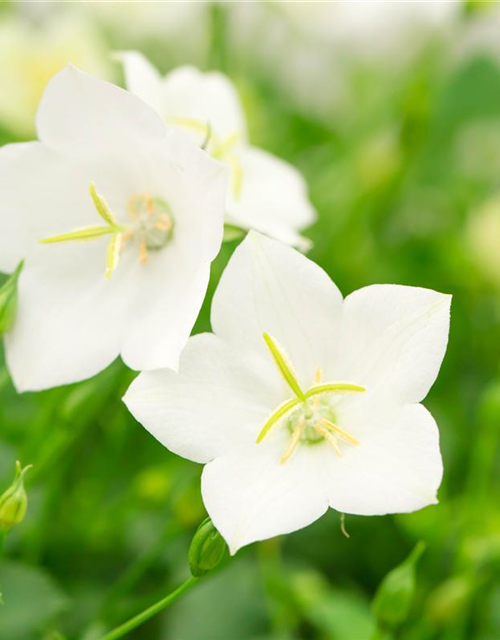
{"x": 301, "y": 400}
{"x": 118, "y": 219}
{"x": 265, "y": 192}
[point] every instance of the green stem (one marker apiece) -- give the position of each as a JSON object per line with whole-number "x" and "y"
{"x": 139, "y": 619}
{"x": 3, "y": 535}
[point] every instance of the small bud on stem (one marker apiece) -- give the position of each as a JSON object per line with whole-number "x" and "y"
{"x": 14, "y": 502}
{"x": 207, "y": 549}
{"x": 394, "y": 597}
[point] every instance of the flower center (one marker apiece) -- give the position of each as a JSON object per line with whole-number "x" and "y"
{"x": 151, "y": 225}
{"x": 309, "y": 416}
{"x": 219, "y": 148}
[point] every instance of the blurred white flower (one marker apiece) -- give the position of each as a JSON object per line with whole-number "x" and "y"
{"x": 478, "y": 35}
{"x": 315, "y": 50}
{"x": 108, "y": 171}
{"x": 30, "y": 54}
{"x": 301, "y": 400}
{"x": 265, "y": 193}
{"x": 374, "y": 30}
{"x": 482, "y": 239}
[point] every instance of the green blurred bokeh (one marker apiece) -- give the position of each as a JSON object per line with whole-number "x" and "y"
{"x": 402, "y": 157}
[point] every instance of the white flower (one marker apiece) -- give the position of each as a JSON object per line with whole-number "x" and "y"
{"x": 265, "y": 192}
{"x": 301, "y": 400}
{"x": 106, "y": 170}
{"x": 32, "y": 52}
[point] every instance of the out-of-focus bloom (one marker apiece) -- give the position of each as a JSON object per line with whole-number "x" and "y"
{"x": 374, "y": 30}
{"x": 265, "y": 193}
{"x": 314, "y": 50}
{"x": 30, "y": 54}
{"x": 108, "y": 171}
{"x": 482, "y": 237}
{"x": 180, "y": 28}
{"x": 301, "y": 400}
{"x": 14, "y": 502}
{"x": 478, "y": 34}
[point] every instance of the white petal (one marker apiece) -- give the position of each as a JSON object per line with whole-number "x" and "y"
{"x": 194, "y": 185}
{"x": 141, "y": 78}
{"x": 251, "y": 496}
{"x": 164, "y": 303}
{"x": 41, "y": 194}
{"x": 209, "y": 98}
{"x": 218, "y": 401}
{"x": 397, "y": 466}
{"x": 79, "y": 114}
{"x": 273, "y": 197}
{"x": 394, "y": 340}
{"x": 70, "y": 322}
{"x": 268, "y": 287}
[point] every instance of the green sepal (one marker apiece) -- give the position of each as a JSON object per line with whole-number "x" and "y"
{"x": 8, "y": 300}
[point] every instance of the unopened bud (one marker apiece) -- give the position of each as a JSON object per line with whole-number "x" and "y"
{"x": 207, "y": 549}
{"x": 8, "y": 301}
{"x": 394, "y": 596}
{"x": 14, "y": 502}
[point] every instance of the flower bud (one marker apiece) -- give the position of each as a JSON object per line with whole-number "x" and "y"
{"x": 14, "y": 502}
{"x": 207, "y": 549}
{"x": 8, "y": 301}
{"x": 394, "y": 596}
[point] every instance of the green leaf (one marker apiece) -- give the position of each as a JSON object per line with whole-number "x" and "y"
{"x": 8, "y": 300}
{"x": 32, "y": 600}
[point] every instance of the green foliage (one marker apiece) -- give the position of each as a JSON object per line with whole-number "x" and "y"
{"x": 22, "y": 584}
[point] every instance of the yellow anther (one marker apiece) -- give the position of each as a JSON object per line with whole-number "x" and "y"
{"x": 318, "y": 375}
{"x": 236, "y": 174}
{"x": 113, "y": 254}
{"x": 294, "y": 441}
{"x": 341, "y": 432}
{"x": 143, "y": 253}
{"x": 330, "y": 438}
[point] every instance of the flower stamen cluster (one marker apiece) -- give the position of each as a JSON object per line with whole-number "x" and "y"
{"x": 151, "y": 225}
{"x": 309, "y": 416}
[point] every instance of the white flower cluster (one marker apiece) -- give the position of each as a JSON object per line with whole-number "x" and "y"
{"x": 299, "y": 400}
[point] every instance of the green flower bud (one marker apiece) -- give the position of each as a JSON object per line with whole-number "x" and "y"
{"x": 8, "y": 301}
{"x": 14, "y": 502}
{"x": 207, "y": 549}
{"x": 394, "y": 596}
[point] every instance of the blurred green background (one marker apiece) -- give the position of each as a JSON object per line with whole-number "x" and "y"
{"x": 392, "y": 112}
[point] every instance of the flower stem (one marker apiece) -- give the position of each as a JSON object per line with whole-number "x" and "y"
{"x": 139, "y": 619}
{"x": 3, "y": 535}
